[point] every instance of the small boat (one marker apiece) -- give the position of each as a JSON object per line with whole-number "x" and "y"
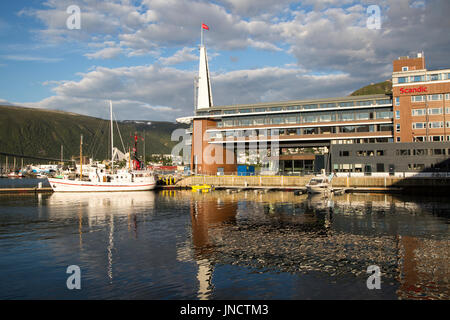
{"x": 318, "y": 184}
{"x": 132, "y": 179}
{"x": 202, "y": 188}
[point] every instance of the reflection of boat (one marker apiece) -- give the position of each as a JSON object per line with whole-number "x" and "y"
{"x": 202, "y": 188}
{"x": 100, "y": 203}
{"x": 318, "y": 184}
{"x": 103, "y": 181}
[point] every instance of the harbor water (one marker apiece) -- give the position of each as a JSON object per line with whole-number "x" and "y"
{"x": 222, "y": 245}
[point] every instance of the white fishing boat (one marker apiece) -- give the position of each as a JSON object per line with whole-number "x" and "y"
{"x": 102, "y": 180}
{"x": 319, "y": 184}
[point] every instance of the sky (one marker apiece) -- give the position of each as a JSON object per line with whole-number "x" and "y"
{"x": 143, "y": 54}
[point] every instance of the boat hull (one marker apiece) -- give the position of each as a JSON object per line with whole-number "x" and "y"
{"x": 317, "y": 189}
{"x": 63, "y": 185}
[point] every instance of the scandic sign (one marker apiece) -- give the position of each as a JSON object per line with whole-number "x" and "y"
{"x": 413, "y": 90}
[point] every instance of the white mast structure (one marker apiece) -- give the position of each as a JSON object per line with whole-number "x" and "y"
{"x": 204, "y": 94}
{"x": 112, "y": 137}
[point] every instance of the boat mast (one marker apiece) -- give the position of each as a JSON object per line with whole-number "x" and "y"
{"x": 112, "y": 137}
{"x": 81, "y": 158}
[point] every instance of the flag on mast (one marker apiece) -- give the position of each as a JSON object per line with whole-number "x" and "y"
{"x": 204, "y": 26}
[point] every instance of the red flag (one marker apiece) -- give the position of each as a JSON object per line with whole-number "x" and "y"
{"x": 204, "y": 26}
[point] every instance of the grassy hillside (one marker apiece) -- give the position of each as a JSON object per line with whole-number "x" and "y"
{"x": 41, "y": 132}
{"x": 384, "y": 87}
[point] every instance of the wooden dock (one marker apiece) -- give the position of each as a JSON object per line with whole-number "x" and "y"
{"x": 25, "y": 190}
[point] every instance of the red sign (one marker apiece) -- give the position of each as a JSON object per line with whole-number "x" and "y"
{"x": 413, "y": 90}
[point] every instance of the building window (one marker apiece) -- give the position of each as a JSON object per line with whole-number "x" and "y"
{"x": 328, "y": 105}
{"x": 436, "y": 124}
{"x": 418, "y": 112}
{"x": 344, "y": 153}
{"x": 347, "y": 104}
{"x": 419, "y": 125}
{"x": 380, "y": 167}
{"x": 384, "y": 101}
{"x": 434, "y": 77}
{"x": 436, "y": 138}
{"x": 397, "y": 114}
{"x": 435, "y": 111}
{"x": 398, "y": 139}
{"x": 402, "y": 79}
{"x": 363, "y": 116}
{"x": 435, "y": 97}
{"x": 403, "y": 152}
{"x": 438, "y": 152}
{"x": 397, "y": 101}
{"x": 357, "y": 103}
{"x": 291, "y": 120}
{"x": 405, "y": 68}
{"x": 418, "y": 78}
{"x": 397, "y": 127}
{"x": 418, "y": 98}
{"x": 384, "y": 114}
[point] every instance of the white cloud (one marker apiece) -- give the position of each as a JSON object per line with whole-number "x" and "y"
{"x": 27, "y": 58}
{"x": 183, "y": 55}
{"x": 105, "y": 53}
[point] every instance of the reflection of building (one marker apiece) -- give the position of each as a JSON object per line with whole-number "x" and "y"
{"x": 286, "y": 233}
{"x": 303, "y": 133}
{"x": 204, "y": 215}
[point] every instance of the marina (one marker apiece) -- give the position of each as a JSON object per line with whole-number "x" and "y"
{"x": 217, "y": 245}
{"x": 305, "y": 157}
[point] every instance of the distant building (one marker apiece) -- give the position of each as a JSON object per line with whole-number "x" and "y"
{"x": 346, "y": 134}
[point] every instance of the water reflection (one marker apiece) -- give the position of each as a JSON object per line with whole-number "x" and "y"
{"x": 246, "y": 245}
{"x": 102, "y": 209}
{"x": 338, "y": 237}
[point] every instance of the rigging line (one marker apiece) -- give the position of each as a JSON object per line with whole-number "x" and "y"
{"x": 96, "y": 146}
{"x": 95, "y": 141}
{"x": 123, "y": 146}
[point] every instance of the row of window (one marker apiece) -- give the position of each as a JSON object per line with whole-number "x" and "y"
{"x": 431, "y": 111}
{"x": 431, "y": 125}
{"x": 301, "y": 131}
{"x": 382, "y": 113}
{"x": 430, "y": 97}
{"x": 362, "y": 140}
{"x": 398, "y": 152}
{"x": 422, "y": 78}
{"x": 301, "y": 107}
{"x": 430, "y": 138}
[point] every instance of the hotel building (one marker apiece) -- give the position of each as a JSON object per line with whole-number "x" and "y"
{"x": 349, "y": 134}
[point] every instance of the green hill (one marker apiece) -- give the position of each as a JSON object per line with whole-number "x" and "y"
{"x": 384, "y": 87}
{"x": 40, "y": 132}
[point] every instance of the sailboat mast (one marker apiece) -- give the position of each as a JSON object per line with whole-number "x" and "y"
{"x": 81, "y": 158}
{"x": 112, "y": 136}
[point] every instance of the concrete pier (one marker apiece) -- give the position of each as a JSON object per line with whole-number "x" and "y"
{"x": 350, "y": 184}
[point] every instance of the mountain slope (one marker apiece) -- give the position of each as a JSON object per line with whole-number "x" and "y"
{"x": 40, "y": 132}
{"x": 384, "y": 87}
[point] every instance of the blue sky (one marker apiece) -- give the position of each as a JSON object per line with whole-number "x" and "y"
{"x": 143, "y": 54}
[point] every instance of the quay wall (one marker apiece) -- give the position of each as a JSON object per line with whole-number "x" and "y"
{"x": 301, "y": 181}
